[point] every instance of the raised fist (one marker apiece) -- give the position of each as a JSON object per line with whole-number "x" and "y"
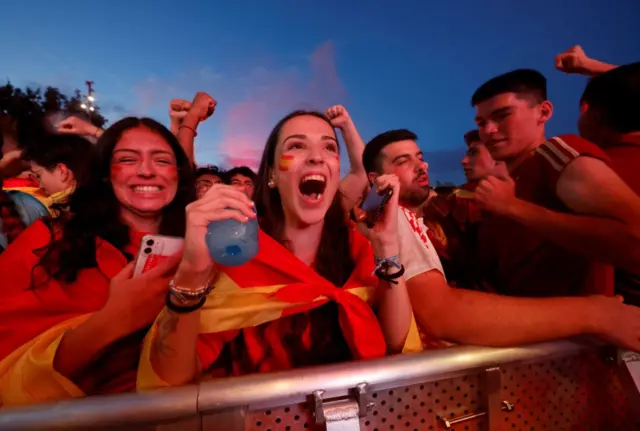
{"x": 178, "y": 109}
{"x": 338, "y": 116}
{"x": 573, "y": 60}
{"x": 202, "y": 106}
{"x": 76, "y": 126}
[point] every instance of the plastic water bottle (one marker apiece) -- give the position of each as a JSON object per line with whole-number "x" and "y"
{"x": 232, "y": 243}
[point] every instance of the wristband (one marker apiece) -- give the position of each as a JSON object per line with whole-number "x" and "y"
{"x": 190, "y": 128}
{"x": 389, "y": 278}
{"x": 386, "y": 263}
{"x": 183, "y": 309}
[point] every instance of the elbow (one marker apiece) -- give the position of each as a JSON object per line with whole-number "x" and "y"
{"x": 434, "y": 323}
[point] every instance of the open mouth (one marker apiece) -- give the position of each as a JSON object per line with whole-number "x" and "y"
{"x": 146, "y": 189}
{"x": 313, "y": 186}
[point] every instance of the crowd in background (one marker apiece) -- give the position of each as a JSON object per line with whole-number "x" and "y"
{"x": 542, "y": 241}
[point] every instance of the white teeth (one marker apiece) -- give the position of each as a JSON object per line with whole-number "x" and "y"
{"x": 314, "y": 177}
{"x": 316, "y": 196}
{"x": 146, "y": 189}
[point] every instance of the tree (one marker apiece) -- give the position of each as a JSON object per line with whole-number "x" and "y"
{"x": 34, "y": 104}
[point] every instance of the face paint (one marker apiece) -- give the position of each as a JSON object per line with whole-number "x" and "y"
{"x": 285, "y": 162}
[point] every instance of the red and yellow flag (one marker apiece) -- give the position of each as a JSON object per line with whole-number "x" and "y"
{"x": 275, "y": 284}
{"x": 285, "y": 162}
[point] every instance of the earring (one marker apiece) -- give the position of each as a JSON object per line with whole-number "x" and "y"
{"x": 271, "y": 184}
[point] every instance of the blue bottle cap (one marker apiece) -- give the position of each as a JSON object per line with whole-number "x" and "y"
{"x": 232, "y": 250}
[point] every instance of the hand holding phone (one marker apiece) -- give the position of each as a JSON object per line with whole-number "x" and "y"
{"x": 372, "y": 207}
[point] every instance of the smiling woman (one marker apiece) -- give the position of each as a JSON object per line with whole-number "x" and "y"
{"x": 56, "y": 274}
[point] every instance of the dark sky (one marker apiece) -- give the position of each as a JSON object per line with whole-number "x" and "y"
{"x": 393, "y": 64}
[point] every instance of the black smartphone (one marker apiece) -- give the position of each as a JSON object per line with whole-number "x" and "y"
{"x": 373, "y": 206}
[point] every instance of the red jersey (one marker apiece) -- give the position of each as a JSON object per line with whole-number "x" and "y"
{"x": 515, "y": 260}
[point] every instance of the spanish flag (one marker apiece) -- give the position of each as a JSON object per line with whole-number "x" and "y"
{"x": 274, "y": 285}
{"x": 285, "y": 162}
{"x": 33, "y": 322}
{"x": 51, "y": 202}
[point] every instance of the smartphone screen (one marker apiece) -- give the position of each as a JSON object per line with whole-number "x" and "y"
{"x": 373, "y": 200}
{"x": 373, "y": 206}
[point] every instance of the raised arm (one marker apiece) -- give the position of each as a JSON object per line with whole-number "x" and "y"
{"x": 606, "y": 227}
{"x": 201, "y": 108}
{"x": 355, "y": 182}
{"x": 574, "y": 60}
{"x": 77, "y": 126}
{"x": 394, "y": 306}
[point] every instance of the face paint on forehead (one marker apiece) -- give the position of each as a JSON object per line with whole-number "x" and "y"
{"x": 285, "y": 162}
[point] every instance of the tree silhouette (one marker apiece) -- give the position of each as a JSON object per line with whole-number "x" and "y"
{"x": 33, "y": 104}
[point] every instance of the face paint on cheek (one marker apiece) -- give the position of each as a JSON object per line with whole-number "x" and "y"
{"x": 115, "y": 170}
{"x": 286, "y": 160}
{"x": 172, "y": 173}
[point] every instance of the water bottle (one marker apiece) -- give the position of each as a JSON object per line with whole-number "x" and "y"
{"x": 232, "y": 243}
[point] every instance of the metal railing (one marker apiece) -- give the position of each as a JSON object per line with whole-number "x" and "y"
{"x": 263, "y": 391}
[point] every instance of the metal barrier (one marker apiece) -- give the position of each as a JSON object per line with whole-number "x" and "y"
{"x": 564, "y": 385}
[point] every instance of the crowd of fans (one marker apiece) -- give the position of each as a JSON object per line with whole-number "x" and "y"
{"x": 535, "y": 246}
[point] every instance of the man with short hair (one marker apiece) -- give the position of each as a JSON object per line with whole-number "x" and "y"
{"x": 243, "y": 178}
{"x": 610, "y": 117}
{"x": 561, "y": 206}
{"x": 206, "y": 177}
{"x": 471, "y": 317}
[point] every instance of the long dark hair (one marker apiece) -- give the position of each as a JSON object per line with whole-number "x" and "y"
{"x": 95, "y": 209}
{"x": 334, "y": 261}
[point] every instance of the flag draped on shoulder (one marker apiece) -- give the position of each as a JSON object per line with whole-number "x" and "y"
{"x": 276, "y": 284}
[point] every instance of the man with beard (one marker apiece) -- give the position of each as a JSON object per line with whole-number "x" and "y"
{"x": 471, "y": 317}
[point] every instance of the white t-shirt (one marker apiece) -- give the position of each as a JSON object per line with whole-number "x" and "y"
{"x": 417, "y": 253}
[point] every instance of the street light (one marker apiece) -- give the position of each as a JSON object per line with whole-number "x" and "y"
{"x": 88, "y": 103}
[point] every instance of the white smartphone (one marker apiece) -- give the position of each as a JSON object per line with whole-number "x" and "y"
{"x": 154, "y": 249}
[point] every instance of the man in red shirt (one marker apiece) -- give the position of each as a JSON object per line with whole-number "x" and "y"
{"x": 610, "y": 117}
{"x": 559, "y": 209}
{"x": 472, "y": 317}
